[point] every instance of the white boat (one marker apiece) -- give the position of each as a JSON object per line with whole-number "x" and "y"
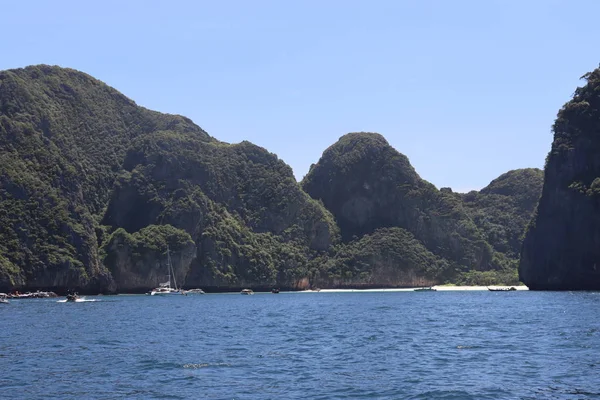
{"x": 3, "y": 297}
{"x": 247, "y": 291}
{"x": 425, "y": 289}
{"x": 194, "y": 291}
{"x": 164, "y": 289}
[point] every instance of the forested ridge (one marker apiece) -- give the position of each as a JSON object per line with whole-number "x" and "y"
{"x": 94, "y": 188}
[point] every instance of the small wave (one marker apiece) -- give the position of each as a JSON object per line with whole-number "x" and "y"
{"x": 461, "y": 347}
{"x": 205, "y": 365}
{"x": 449, "y": 395}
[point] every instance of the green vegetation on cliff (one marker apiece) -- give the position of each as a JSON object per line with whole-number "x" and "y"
{"x": 240, "y": 204}
{"x": 138, "y": 261}
{"x": 63, "y": 136}
{"x": 389, "y": 257}
{"x": 85, "y": 169}
{"x": 502, "y": 210}
{"x": 93, "y": 188}
{"x": 561, "y": 250}
{"x": 368, "y": 185}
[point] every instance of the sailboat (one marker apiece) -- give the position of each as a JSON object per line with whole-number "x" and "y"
{"x": 165, "y": 288}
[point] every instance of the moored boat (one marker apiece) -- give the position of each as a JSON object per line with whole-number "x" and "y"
{"x": 165, "y": 288}
{"x": 504, "y": 289}
{"x": 29, "y": 295}
{"x": 194, "y": 291}
{"x": 425, "y": 289}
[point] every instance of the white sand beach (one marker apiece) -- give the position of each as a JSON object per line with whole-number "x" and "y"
{"x": 440, "y": 288}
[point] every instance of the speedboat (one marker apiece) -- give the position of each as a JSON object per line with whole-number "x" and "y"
{"x": 509, "y": 289}
{"x": 425, "y": 289}
{"x": 3, "y": 297}
{"x": 72, "y": 297}
{"x": 247, "y": 291}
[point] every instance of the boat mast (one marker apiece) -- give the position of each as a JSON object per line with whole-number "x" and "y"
{"x": 170, "y": 267}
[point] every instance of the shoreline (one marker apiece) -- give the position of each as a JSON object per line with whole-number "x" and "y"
{"x": 439, "y": 288}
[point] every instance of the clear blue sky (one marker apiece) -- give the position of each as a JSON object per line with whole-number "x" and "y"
{"x": 466, "y": 89}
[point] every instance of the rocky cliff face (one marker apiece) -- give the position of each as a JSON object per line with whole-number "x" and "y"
{"x": 503, "y": 209}
{"x": 561, "y": 250}
{"x": 94, "y": 189}
{"x": 86, "y": 174}
{"x": 139, "y": 261}
{"x": 389, "y": 257}
{"x": 239, "y": 203}
{"x": 63, "y": 137}
{"x": 368, "y": 185}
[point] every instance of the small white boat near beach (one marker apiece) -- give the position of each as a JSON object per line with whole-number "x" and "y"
{"x": 194, "y": 291}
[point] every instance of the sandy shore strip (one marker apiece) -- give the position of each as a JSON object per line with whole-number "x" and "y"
{"x": 440, "y": 288}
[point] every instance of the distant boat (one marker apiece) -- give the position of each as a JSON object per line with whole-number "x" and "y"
{"x": 247, "y": 291}
{"x": 275, "y": 291}
{"x": 194, "y": 291}
{"x": 425, "y": 289}
{"x": 29, "y": 295}
{"x": 165, "y": 288}
{"x": 508, "y": 289}
{"x": 3, "y": 297}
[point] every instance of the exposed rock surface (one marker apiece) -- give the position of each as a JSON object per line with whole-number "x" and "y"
{"x": 503, "y": 209}
{"x": 367, "y": 185}
{"x": 85, "y": 172}
{"x": 561, "y": 250}
{"x": 389, "y": 257}
{"x": 94, "y": 189}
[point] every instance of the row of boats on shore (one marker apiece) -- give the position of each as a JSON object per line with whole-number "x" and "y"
{"x": 166, "y": 289}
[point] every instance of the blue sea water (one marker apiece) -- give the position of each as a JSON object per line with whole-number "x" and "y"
{"x": 377, "y": 345}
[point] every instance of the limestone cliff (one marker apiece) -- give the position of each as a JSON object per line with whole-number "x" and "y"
{"x": 368, "y": 185}
{"x": 86, "y": 174}
{"x": 503, "y": 209}
{"x": 139, "y": 261}
{"x": 239, "y": 203}
{"x": 561, "y": 250}
{"x": 94, "y": 189}
{"x": 63, "y": 138}
{"x": 389, "y": 257}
